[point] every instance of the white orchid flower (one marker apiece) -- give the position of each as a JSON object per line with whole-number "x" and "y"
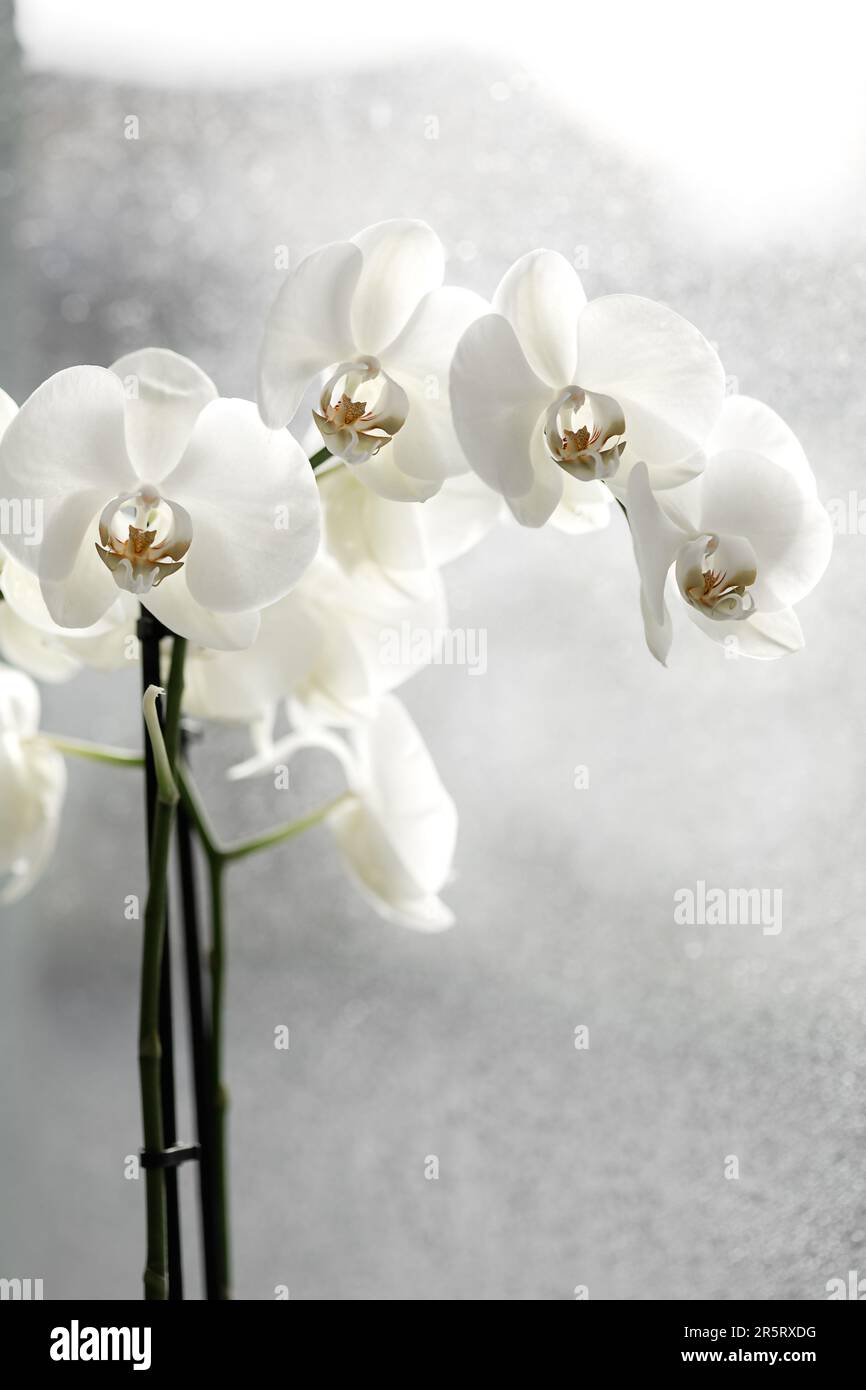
{"x": 323, "y": 647}
{"x": 150, "y": 484}
{"x": 367, "y": 534}
{"x": 746, "y": 540}
{"x": 31, "y": 640}
{"x": 399, "y": 833}
{"x": 372, "y": 316}
{"x": 32, "y": 787}
{"x": 583, "y": 507}
{"x": 29, "y": 637}
{"x": 397, "y": 827}
{"x": 549, "y": 386}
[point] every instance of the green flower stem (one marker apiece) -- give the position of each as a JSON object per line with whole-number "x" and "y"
{"x": 284, "y": 832}
{"x": 219, "y": 857}
{"x": 220, "y": 1091}
{"x": 149, "y": 1049}
{"x": 174, "y": 697}
{"x": 93, "y": 752}
{"x": 319, "y": 458}
{"x": 192, "y": 804}
{"x": 228, "y": 853}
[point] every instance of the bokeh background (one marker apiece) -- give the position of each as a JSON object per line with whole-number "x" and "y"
{"x": 701, "y": 161}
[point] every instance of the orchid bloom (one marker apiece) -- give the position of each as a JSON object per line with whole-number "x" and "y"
{"x": 32, "y": 788}
{"x": 397, "y": 826}
{"x": 151, "y": 485}
{"x": 372, "y": 319}
{"x": 367, "y": 534}
{"x": 29, "y": 637}
{"x": 550, "y": 388}
{"x": 31, "y": 640}
{"x": 320, "y": 647}
{"x": 746, "y": 540}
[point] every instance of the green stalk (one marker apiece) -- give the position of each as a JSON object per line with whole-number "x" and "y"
{"x": 283, "y": 832}
{"x": 218, "y": 858}
{"x": 174, "y": 696}
{"x": 195, "y": 810}
{"x": 220, "y": 1092}
{"x": 93, "y": 752}
{"x": 319, "y": 458}
{"x": 149, "y": 1049}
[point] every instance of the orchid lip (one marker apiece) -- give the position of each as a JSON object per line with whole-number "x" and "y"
{"x": 361, "y": 409}
{"x": 585, "y": 434}
{"x": 144, "y": 538}
{"x": 715, "y": 574}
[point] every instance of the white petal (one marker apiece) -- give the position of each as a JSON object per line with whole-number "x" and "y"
{"x": 747, "y": 424}
{"x": 173, "y": 604}
{"x": 656, "y": 541}
{"x": 33, "y": 650}
{"x": 19, "y": 704}
{"x": 382, "y": 475}
{"x": 743, "y": 494}
{"x": 379, "y": 875}
{"x": 8, "y": 410}
{"x": 584, "y": 507}
{"x": 111, "y": 644}
{"x": 362, "y": 529}
{"x": 254, "y": 505}
{"x": 32, "y": 787}
{"x": 542, "y": 297}
{"x": 104, "y": 645}
{"x": 399, "y": 839}
{"x": 374, "y": 636}
{"x": 77, "y": 588}
{"x": 419, "y": 360}
{"x": 403, "y": 261}
{"x": 763, "y": 636}
{"x": 426, "y": 450}
{"x": 665, "y": 478}
{"x": 536, "y": 506}
{"x": 164, "y": 395}
{"x": 308, "y": 328}
{"x": 67, "y": 440}
{"x": 497, "y": 402}
{"x": 243, "y": 687}
{"x": 425, "y": 346}
{"x": 32, "y": 791}
{"x": 405, "y": 793}
{"x": 303, "y": 427}
{"x": 458, "y": 518}
{"x": 665, "y": 375}
{"x": 659, "y": 633}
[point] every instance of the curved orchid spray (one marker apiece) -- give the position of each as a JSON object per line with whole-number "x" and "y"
{"x": 269, "y": 574}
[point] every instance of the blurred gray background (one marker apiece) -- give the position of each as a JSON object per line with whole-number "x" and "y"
{"x": 558, "y": 1167}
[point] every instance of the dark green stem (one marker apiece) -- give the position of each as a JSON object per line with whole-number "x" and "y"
{"x": 218, "y": 858}
{"x": 174, "y": 696}
{"x": 149, "y": 1048}
{"x": 195, "y": 810}
{"x": 220, "y": 1090}
{"x": 319, "y": 458}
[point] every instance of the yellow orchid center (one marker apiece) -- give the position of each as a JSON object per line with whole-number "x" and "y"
{"x": 143, "y": 539}
{"x": 585, "y": 434}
